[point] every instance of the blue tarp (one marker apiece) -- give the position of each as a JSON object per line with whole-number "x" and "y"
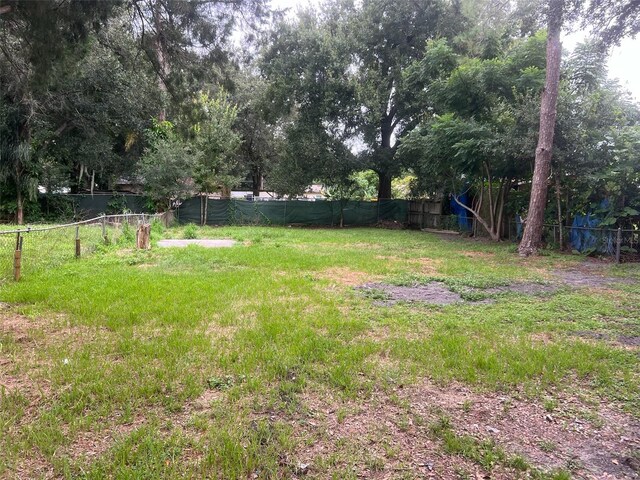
{"x": 585, "y": 235}
{"x": 464, "y": 220}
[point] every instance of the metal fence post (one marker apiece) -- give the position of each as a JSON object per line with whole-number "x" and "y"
{"x": 17, "y": 258}
{"x": 77, "y": 242}
{"x": 618, "y": 244}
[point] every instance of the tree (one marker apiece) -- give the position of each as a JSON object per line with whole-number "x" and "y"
{"x": 217, "y": 167}
{"x": 613, "y": 21}
{"x": 34, "y": 36}
{"x": 98, "y": 105}
{"x": 346, "y": 64}
{"x": 167, "y": 166}
{"x": 309, "y": 155}
{"x": 187, "y": 42}
{"x": 532, "y": 236}
{"x": 474, "y": 136}
{"x": 594, "y": 148}
{"x": 257, "y": 153}
{"x": 17, "y": 163}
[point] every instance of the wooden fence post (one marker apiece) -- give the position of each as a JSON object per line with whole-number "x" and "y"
{"x": 104, "y": 229}
{"x": 618, "y": 244}
{"x": 143, "y": 236}
{"x": 17, "y": 258}
{"x": 77, "y": 242}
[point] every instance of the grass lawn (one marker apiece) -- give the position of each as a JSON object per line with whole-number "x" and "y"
{"x": 265, "y": 360}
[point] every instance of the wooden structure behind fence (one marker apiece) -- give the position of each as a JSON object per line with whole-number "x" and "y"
{"x": 425, "y": 213}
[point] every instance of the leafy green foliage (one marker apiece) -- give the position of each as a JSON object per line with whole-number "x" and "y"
{"x": 167, "y": 166}
{"x": 217, "y": 166}
{"x": 190, "y": 232}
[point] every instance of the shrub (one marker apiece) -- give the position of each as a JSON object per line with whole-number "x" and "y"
{"x": 190, "y": 231}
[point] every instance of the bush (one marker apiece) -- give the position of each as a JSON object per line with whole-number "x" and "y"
{"x": 128, "y": 235}
{"x": 157, "y": 229}
{"x": 190, "y": 231}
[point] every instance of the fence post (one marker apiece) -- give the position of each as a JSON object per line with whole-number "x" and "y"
{"x": 618, "y": 244}
{"x": 17, "y": 258}
{"x": 104, "y": 229}
{"x": 284, "y": 220}
{"x": 78, "y": 242}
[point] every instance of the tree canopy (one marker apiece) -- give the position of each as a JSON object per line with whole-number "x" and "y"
{"x": 442, "y": 96}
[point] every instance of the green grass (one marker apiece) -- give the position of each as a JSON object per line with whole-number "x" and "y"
{"x": 122, "y": 343}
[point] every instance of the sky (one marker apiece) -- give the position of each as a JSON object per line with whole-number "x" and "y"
{"x": 624, "y": 61}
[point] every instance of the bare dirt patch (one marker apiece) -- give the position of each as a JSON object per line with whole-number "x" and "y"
{"x": 439, "y": 293}
{"x": 435, "y": 293}
{"x": 35, "y": 467}
{"x": 562, "y": 438}
{"x": 374, "y": 438}
{"x": 16, "y": 325}
{"x": 628, "y": 341}
{"x": 588, "y": 278}
{"x": 389, "y": 435}
{"x": 92, "y": 444}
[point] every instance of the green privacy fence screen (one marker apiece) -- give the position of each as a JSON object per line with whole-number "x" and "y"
{"x": 288, "y": 212}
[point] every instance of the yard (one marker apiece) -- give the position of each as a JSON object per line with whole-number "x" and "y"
{"x": 320, "y": 353}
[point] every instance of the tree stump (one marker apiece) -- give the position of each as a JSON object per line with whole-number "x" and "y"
{"x": 143, "y": 235}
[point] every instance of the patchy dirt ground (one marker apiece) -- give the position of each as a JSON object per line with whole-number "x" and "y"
{"x": 587, "y": 277}
{"x": 391, "y": 434}
{"x": 621, "y": 340}
{"x": 374, "y": 439}
{"x": 438, "y": 293}
{"x": 384, "y": 294}
{"x": 599, "y": 445}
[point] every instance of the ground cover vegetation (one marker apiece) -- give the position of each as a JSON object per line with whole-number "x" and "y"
{"x": 371, "y": 99}
{"x": 283, "y": 357}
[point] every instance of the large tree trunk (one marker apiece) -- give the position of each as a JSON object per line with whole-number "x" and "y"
{"x": 384, "y": 186}
{"x": 385, "y": 158}
{"x": 20, "y": 207}
{"x": 532, "y": 236}
{"x": 160, "y": 50}
{"x": 256, "y": 181}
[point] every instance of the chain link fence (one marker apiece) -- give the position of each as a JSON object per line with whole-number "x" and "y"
{"x": 25, "y": 251}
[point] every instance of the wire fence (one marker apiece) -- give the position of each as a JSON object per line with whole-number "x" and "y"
{"x": 24, "y": 251}
{"x": 623, "y": 245}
